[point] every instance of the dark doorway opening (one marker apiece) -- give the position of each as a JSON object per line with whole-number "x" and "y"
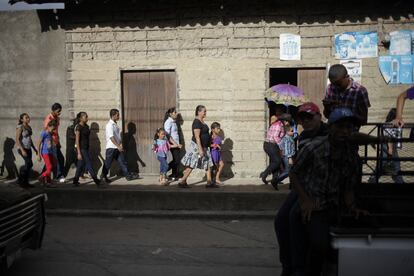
{"x": 312, "y": 80}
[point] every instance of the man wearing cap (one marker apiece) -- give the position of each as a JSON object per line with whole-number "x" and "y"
{"x": 309, "y": 117}
{"x": 324, "y": 167}
{"x": 343, "y": 91}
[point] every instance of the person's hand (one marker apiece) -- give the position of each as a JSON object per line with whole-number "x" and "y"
{"x": 398, "y": 122}
{"x": 24, "y": 153}
{"x": 180, "y": 146}
{"x": 39, "y": 158}
{"x": 79, "y": 156}
{"x": 120, "y": 148}
{"x": 358, "y": 212}
{"x": 201, "y": 153}
{"x": 307, "y": 207}
{"x": 143, "y": 164}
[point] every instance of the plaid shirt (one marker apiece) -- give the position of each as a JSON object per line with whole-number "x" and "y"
{"x": 287, "y": 145}
{"x": 322, "y": 174}
{"x": 275, "y": 132}
{"x": 355, "y": 98}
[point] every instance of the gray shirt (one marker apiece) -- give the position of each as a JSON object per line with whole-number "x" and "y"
{"x": 26, "y": 137}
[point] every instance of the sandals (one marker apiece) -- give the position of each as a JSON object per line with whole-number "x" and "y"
{"x": 212, "y": 185}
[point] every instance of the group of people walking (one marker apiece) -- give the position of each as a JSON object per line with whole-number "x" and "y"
{"x": 204, "y": 151}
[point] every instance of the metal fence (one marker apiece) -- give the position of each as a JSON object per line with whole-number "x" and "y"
{"x": 379, "y": 166}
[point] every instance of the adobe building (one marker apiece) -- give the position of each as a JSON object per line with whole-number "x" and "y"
{"x": 143, "y": 57}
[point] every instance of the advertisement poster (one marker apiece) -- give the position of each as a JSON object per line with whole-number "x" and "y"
{"x": 289, "y": 47}
{"x": 397, "y": 69}
{"x": 356, "y": 45}
{"x": 400, "y": 42}
{"x": 354, "y": 68}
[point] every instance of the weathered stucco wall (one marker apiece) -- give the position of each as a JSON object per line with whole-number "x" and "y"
{"x": 32, "y": 75}
{"x": 221, "y": 57}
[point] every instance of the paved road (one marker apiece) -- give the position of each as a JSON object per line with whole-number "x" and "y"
{"x": 138, "y": 246}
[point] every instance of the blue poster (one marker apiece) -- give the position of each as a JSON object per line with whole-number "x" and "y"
{"x": 352, "y": 45}
{"x": 397, "y": 69}
{"x": 400, "y": 42}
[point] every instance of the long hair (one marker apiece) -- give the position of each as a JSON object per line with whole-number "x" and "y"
{"x": 392, "y": 114}
{"x": 21, "y": 118}
{"x": 157, "y": 133}
{"x": 169, "y": 111}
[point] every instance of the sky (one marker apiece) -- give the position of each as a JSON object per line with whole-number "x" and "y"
{"x": 5, "y": 6}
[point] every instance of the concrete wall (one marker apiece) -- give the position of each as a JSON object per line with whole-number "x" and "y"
{"x": 32, "y": 75}
{"x": 221, "y": 57}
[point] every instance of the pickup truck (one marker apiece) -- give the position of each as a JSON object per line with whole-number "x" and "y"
{"x": 22, "y": 222}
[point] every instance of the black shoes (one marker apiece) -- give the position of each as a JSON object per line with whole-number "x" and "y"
{"x": 105, "y": 179}
{"x": 263, "y": 176}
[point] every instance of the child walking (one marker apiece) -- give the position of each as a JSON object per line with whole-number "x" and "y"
{"x": 47, "y": 150}
{"x": 216, "y": 151}
{"x": 287, "y": 147}
{"x": 24, "y": 145}
{"x": 82, "y": 133}
{"x": 161, "y": 148}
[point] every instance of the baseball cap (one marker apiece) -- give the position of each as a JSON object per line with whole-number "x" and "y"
{"x": 341, "y": 113}
{"x": 310, "y": 108}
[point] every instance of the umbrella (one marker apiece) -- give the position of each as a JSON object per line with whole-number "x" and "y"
{"x": 285, "y": 94}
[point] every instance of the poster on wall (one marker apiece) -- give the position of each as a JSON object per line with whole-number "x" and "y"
{"x": 289, "y": 45}
{"x": 356, "y": 45}
{"x": 397, "y": 69}
{"x": 354, "y": 68}
{"x": 400, "y": 42}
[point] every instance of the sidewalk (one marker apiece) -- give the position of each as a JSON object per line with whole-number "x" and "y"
{"x": 145, "y": 197}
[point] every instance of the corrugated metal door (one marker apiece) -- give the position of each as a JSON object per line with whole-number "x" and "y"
{"x": 146, "y": 97}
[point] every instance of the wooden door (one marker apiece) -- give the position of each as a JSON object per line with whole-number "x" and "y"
{"x": 313, "y": 83}
{"x": 146, "y": 97}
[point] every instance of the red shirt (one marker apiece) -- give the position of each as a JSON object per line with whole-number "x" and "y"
{"x": 55, "y": 133}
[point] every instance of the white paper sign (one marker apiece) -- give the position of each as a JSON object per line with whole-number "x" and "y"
{"x": 354, "y": 68}
{"x": 289, "y": 45}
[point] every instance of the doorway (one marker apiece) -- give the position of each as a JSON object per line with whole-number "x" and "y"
{"x": 311, "y": 80}
{"x": 146, "y": 96}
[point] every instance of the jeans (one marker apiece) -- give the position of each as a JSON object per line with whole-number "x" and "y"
{"x": 163, "y": 164}
{"x": 282, "y": 230}
{"x": 272, "y": 150}
{"x": 285, "y": 173}
{"x": 25, "y": 169}
{"x": 110, "y": 155}
{"x": 175, "y": 163}
{"x": 60, "y": 164}
{"x": 85, "y": 163}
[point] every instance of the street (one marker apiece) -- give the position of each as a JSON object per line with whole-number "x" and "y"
{"x": 144, "y": 246}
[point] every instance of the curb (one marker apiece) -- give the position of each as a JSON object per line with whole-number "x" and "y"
{"x": 167, "y": 214}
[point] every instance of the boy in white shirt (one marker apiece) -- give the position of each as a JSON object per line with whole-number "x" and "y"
{"x": 114, "y": 149}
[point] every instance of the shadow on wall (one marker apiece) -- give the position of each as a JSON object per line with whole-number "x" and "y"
{"x": 227, "y": 156}
{"x": 9, "y": 159}
{"x": 131, "y": 149}
{"x": 180, "y": 122}
{"x": 71, "y": 158}
{"x": 95, "y": 148}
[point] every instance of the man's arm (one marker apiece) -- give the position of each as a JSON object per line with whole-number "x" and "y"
{"x": 398, "y": 121}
